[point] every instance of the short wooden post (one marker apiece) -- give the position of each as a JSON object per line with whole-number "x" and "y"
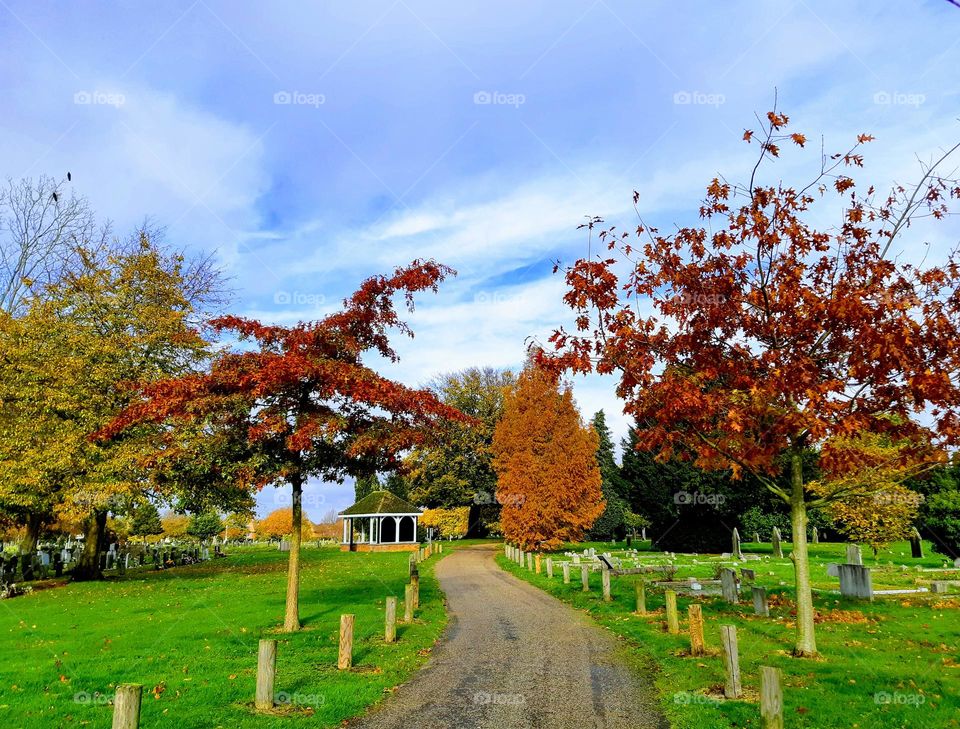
{"x": 345, "y": 657}
{"x": 536, "y": 562}
{"x": 550, "y": 567}
{"x": 641, "y": 588}
{"x": 771, "y": 698}
{"x": 126, "y": 706}
{"x": 408, "y": 604}
{"x": 731, "y": 661}
{"x": 673, "y": 623}
{"x": 529, "y": 560}
{"x": 585, "y": 577}
{"x": 760, "y": 601}
{"x": 415, "y": 581}
{"x": 695, "y": 620}
{"x": 390, "y": 624}
{"x": 605, "y": 577}
{"x": 266, "y": 673}
{"x": 566, "y": 573}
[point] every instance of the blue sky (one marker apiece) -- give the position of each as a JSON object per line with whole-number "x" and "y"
{"x": 312, "y": 145}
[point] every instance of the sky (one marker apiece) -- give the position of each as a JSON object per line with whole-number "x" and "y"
{"x": 311, "y": 145}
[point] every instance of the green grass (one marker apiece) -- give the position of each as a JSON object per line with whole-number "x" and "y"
{"x": 907, "y": 647}
{"x": 190, "y": 635}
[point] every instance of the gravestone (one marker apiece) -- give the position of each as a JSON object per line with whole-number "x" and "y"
{"x": 576, "y": 559}
{"x": 775, "y": 542}
{"x": 855, "y": 581}
{"x": 816, "y": 536}
{"x": 736, "y": 544}
{"x": 26, "y": 567}
{"x": 748, "y": 574}
{"x": 643, "y": 534}
{"x": 57, "y": 565}
{"x": 605, "y": 560}
{"x": 833, "y": 570}
{"x": 939, "y": 587}
{"x": 854, "y": 555}
{"x": 756, "y": 537}
{"x": 728, "y": 585}
{"x": 916, "y": 545}
{"x": 760, "y": 601}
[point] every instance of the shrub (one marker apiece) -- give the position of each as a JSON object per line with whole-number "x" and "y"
{"x": 448, "y": 522}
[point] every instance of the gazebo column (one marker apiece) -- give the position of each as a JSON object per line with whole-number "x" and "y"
{"x": 396, "y": 536}
{"x": 345, "y": 522}
{"x": 372, "y": 535}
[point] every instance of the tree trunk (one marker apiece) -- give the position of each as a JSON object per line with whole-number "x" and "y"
{"x": 88, "y": 566}
{"x": 291, "y": 622}
{"x": 31, "y": 534}
{"x": 806, "y": 640}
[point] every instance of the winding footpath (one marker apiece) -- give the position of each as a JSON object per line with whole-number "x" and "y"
{"x": 513, "y": 657}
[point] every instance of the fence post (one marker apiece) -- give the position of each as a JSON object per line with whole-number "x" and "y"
{"x": 605, "y": 577}
{"x": 126, "y": 706}
{"x": 585, "y": 577}
{"x": 550, "y": 567}
{"x": 695, "y": 620}
{"x": 345, "y": 657}
{"x": 415, "y": 581}
{"x": 728, "y": 637}
{"x": 536, "y": 561}
{"x": 673, "y": 624}
{"x": 408, "y": 604}
{"x": 390, "y": 626}
{"x": 566, "y": 573}
{"x": 771, "y": 698}
{"x": 266, "y": 673}
{"x": 641, "y": 588}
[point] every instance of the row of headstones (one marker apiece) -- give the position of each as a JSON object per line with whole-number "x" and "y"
{"x": 771, "y": 696}
{"x": 128, "y": 698}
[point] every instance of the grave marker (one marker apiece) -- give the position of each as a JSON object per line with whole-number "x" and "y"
{"x": 566, "y": 573}
{"x": 854, "y": 555}
{"x": 735, "y": 539}
{"x": 728, "y": 585}
{"x": 775, "y": 542}
{"x": 916, "y": 544}
{"x": 771, "y": 698}
{"x": 855, "y": 581}
{"x": 550, "y": 567}
{"x": 760, "y": 601}
{"x": 673, "y": 623}
{"x": 732, "y": 688}
{"x": 605, "y": 577}
{"x": 695, "y": 621}
{"x": 641, "y": 588}
{"x": 585, "y": 577}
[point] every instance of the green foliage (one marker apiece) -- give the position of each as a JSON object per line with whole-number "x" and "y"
{"x": 940, "y": 508}
{"x": 757, "y": 520}
{"x": 397, "y": 485}
{"x": 205, "y": 525}
{"x": 456, "y": 470}
{"x": 366, "y": 485}
{"x": 610, "y": 524}
{"x": 145, "y": 520}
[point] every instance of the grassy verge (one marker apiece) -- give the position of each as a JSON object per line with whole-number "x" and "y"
{"x": 891, "y": 663}
{"x": 189, "y": 635}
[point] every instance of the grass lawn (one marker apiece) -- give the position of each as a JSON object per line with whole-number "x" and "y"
{"x": 190, "y": 634}
{"x": 894, "y": 662}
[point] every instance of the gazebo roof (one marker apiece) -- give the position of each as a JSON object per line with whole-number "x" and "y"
{"x": 380, "y": 502}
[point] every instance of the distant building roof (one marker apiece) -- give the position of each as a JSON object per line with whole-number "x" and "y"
{"x": 380, "y": 502}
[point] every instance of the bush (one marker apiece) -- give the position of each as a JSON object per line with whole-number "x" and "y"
{"x": 756, "y": 520}
{"x": 942, "y": 521}
{"x": 448, "y": 522}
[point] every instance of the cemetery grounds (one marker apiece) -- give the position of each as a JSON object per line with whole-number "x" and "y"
{"x": 892, "y": 662}
{"x": 190, "y": 634}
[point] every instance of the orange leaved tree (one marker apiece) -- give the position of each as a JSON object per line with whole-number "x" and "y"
{"x": 279, "y": 523}
{"x": 760, "y": 335}
{"x": 548, "y": 481}
{"x": 303, "y": 399}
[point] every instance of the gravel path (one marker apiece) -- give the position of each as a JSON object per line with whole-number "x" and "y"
{"x": 514, "y": 657}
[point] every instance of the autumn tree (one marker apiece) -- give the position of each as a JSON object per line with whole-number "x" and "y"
{"x": 175, "y": 525}
{"x": 771, "y": 335}
{"x": 304, "y": 400}
{"x": 279, "y": 523}
{"x": 548, "y": 480}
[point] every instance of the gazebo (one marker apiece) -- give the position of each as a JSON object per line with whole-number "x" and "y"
{"x": 380, "y": 522}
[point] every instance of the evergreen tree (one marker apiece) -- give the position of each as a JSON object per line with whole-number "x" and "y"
{"x": 397, "y": 485}
{"x": 610, "y": 524}
{"x": 366, "y": 485}
{"x": 145, "y": 520}
{"x": 205, "y": 525}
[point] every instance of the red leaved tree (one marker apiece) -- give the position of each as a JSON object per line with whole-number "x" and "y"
{"x": 548, "y": 480}
{"x": 305, "y": 401}
{"x": 771, "y": 336}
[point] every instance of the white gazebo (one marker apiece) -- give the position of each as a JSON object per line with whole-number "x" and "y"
{"x": 381, "y": 521}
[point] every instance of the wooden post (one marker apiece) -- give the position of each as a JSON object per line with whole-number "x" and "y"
{"x": 695, "y": 620}
{"x": 641, "y": 598}
{"x": 345, "y": 657}
{"x": 760, "y": 601}
{"x": 566, "y": 573}
{"x": 408, "y": 604}
{"x": 536, "y": 561}
{"x": 585, "y": 577}
{"x": 550, "y": 567}
{"x": 673, "y": 624}
{"x": 771, "y": 698}
{"x": 529, "y": 560}
{"x": 390, "y": 626}
{"x": 266, "y": 672}
{"x": 415, "y": 581}
{"x": 126, "y": 706}
{"x": 731, "y": 661}
{"x": 605, "y": 576}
